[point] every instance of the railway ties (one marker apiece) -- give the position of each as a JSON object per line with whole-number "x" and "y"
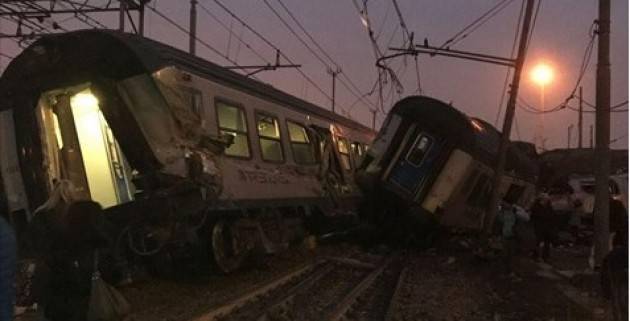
{"x": 374, "y": 298}
{"x": 332, "y": 289}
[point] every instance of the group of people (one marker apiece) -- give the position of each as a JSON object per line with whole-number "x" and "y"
{"x": 544, "y": 220}
{"x": 63, "y": 238}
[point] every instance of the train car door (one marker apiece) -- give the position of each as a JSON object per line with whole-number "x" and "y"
{"x": 413, "y": 163}
{"x": 89, "y": 153}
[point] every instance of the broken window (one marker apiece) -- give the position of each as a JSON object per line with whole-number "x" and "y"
{"x": 232, "y": 121}
{"x": 269, "y": 138}
{"x": 301, "y": 145}
{"x": 344, "y": 153}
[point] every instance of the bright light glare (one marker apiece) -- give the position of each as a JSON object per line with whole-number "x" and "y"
{"x": 542, "y": 74}
{"x": 84, "y": 100}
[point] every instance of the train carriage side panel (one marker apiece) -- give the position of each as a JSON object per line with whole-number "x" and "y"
{"x": 451, "y": 176}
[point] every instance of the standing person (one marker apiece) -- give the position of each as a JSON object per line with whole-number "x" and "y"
{"x": 8, "y": 261}
{"x": 614, "y": 275}
{"x": 507, "y": 218}
{"x": 67, "y": 285}
{"x": 543, "y": 219}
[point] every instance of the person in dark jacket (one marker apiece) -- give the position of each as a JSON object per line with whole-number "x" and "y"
{"x": 614, "y": 276}
{"x": 8, "y": 261}
{"x": 542, "y": 217}
{"x": 66, "y": 284}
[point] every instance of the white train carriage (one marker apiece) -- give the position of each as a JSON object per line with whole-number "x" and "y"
{"x": 150, "y": 131}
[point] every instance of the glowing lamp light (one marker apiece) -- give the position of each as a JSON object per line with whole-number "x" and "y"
{"x": 84, "y": 100}
{"x": 542, "y": 74}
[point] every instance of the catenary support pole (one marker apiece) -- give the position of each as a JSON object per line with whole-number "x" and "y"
{"x": 493, "y": 205}
{"x": 602, "y": 133}
{"x": 580, "y": 120}
{"x": 141, "y": 18}
{"x": 121, "y": 17}
{"x": 192, "y": 31}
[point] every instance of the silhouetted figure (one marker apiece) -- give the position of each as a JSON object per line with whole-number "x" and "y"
{"x": 65, "y": 277}
{"x": 543, "y": 220}
{"x": 615, "y": 265}
{"x": 507, "y": 218}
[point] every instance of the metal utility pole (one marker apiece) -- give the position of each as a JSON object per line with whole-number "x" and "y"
{"x": 334, "y": 74}
{"x": 509, "y": 117}
{"x": 569, "y": 130}
{"x": 141, "y": 19}
{"x": 121, "y": 16}
{"x": 192, "y": 31}
{"x": 580, "y": 129}
{"x": 602, "y": 133}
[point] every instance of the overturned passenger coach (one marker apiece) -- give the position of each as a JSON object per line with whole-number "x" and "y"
{"x": 436, "y": 164}
{"x": 171, "y": 145}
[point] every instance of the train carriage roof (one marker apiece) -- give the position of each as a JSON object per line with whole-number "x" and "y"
{"x": 472, "y": 135}
{"x": 75, "y": 57}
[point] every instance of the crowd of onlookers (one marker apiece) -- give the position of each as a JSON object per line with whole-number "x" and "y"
{"x": 547, "y": 220}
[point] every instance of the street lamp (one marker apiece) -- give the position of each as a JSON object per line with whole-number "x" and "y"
{"x": 542, "y": 75}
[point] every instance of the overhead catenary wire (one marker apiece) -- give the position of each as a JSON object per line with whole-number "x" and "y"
{"x": 355, "y": 92}
{"x": 466, "y": 31}
{"x": 266, "y": 41}
{"x": 509, "y": 70}
{"x": 237, "y": 37}
{"x": 184, "y": 30}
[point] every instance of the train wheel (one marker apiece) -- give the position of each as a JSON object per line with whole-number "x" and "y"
{"x": 228, "y": 248}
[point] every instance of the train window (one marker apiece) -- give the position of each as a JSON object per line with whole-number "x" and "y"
{"x": 415, "y": 156}
{"x": 344, "y": 153}
{"x": 232, "y": 121}
{"x": 303, "y": 149}
{"x": 269, "y": 138}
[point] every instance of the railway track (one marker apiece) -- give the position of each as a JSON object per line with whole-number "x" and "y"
{"x": 332, "y": 289}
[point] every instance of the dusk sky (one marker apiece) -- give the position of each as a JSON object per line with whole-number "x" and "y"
{"x": 560, "y": 37}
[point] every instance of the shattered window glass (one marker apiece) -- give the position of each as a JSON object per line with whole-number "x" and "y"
{"x": 269, "y": 137}
{"x": 232, "y": 121}
{"x": 303, "y": 149}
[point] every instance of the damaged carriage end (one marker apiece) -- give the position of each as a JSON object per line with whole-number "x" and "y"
{"x": 123, "y": 121}
{"x": 431, "y": 166}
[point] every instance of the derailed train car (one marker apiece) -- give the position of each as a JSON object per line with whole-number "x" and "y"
{"x": 434, "y": 163}
{"x": 175, "y": 148}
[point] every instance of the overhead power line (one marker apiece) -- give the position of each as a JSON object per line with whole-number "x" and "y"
{"x": 470, "y": 28}
{"x": 509, "y": 70}
{"x": 354, "y": 91}
{"x": 265, "y": 40}
{"x": 238, "y": 37}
